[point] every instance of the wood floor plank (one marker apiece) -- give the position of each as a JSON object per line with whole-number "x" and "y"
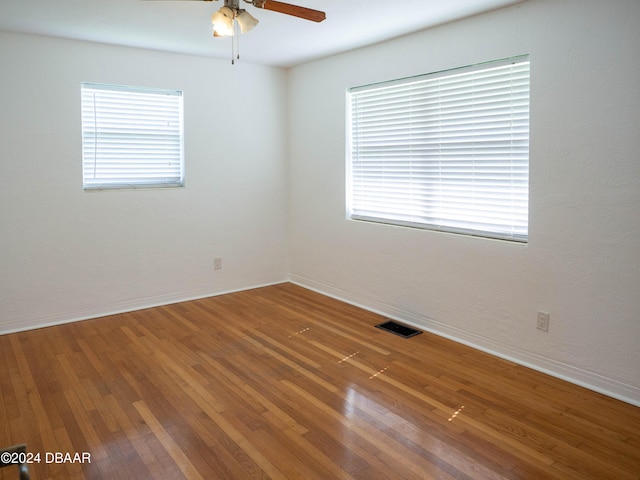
{"x": 172, "y": 448}
{"x": 283, "y": 383}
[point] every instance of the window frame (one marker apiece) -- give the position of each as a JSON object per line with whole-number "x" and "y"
{"x": 355, "y": 211}
{"x": 130, "y": 134}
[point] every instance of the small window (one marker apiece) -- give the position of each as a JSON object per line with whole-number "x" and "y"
{"x": 446, "y": 151}
{"x": 131, "y": 137}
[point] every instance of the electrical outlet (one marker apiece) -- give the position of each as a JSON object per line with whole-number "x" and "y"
{"x": 543, "y": 321}
{"x": 217, "y": 263}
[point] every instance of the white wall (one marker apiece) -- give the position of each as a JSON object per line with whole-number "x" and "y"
{"x": 582, "y": 262}
{"x": 67, "y": 254}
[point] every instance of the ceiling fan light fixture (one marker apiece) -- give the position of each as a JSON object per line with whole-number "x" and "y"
{"x": 246, "y": 21}
{"x": 222, "y": 22}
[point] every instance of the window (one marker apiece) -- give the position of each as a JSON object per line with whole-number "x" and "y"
{"x": 131, "y": 137}
{"x": 446, "y": 151}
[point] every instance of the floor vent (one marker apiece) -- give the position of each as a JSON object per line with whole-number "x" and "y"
{"x": 398, "y": 329}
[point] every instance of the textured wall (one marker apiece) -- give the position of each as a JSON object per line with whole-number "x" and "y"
{"x": 582, "y": 262}
{"x": 67, "y": 254}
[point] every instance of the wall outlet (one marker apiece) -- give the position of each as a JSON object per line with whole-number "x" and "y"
{"x": 217, "y": 263}
{"x": 543, "y": 321}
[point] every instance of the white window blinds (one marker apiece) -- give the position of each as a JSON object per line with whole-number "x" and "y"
{"x": 446, "y": 151}
{"x": 131, "y": 137}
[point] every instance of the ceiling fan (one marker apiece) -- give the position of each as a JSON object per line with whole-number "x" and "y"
{"x": 231, "y": 20}
{"x": 294, "y": 10}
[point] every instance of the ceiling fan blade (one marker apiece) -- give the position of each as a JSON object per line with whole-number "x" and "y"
{"x": 294, "y": 10}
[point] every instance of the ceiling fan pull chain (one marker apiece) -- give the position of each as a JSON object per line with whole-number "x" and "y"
{"x": 233, "y": 43}
{"x": 236, "y": 34}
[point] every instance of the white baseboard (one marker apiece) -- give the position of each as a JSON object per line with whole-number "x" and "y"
{"x": 592, "y": 381}
{"x": 97, "y": 311}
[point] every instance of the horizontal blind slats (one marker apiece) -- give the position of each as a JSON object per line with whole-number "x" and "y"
{"x": 131, "y": 136}
{"x": 449, "y": 152}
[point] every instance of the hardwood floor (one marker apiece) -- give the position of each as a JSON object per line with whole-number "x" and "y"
{"x": 283, "y": 383}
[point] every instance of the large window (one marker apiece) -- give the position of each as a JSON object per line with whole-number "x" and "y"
{"x": 131, "y": 137}
{"x": 446, "y": 151}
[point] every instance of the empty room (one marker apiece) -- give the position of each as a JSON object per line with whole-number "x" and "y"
{"x": 323, "y": 239}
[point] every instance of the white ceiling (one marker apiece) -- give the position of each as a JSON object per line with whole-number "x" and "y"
{"x": 280, "y": 40}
